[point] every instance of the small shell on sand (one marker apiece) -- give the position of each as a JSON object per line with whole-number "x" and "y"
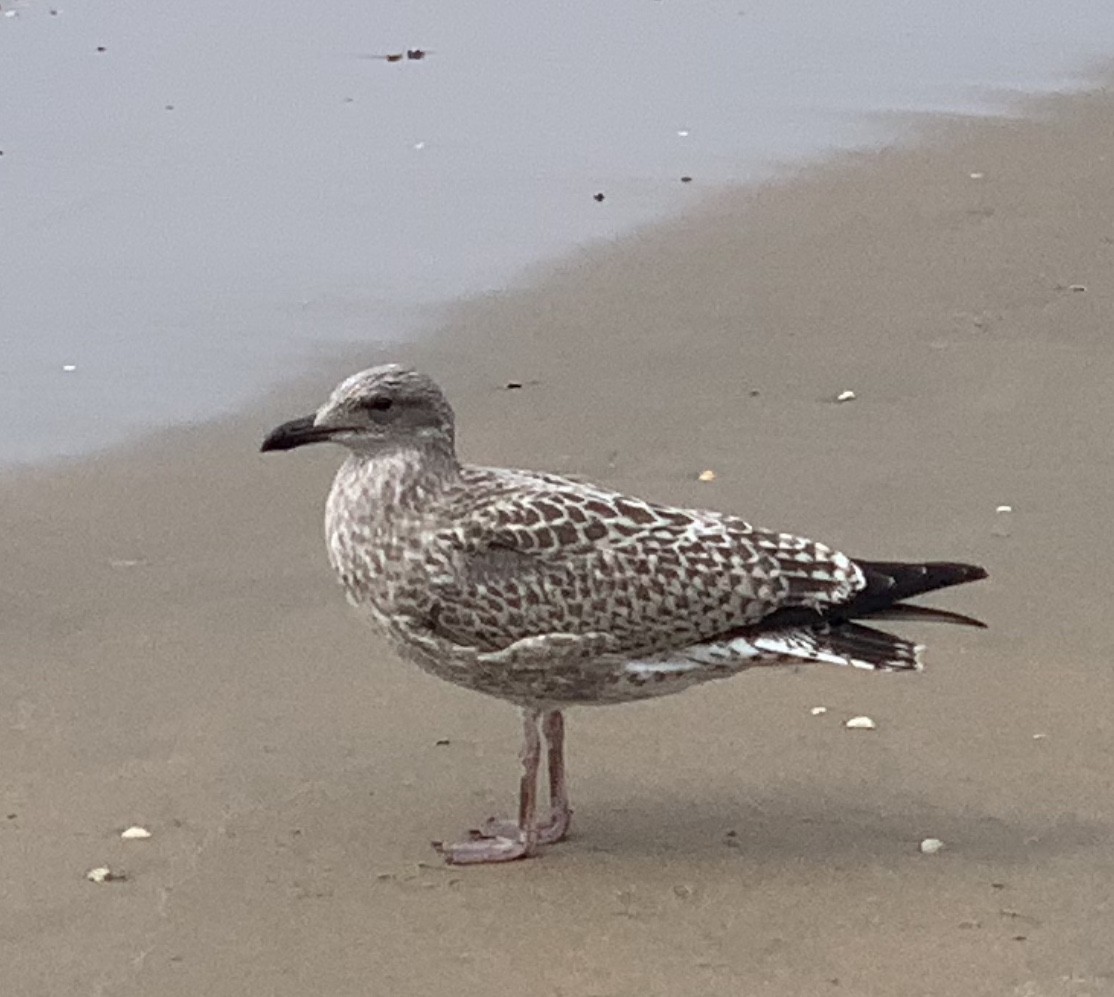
{"x": 135, "y": 833}
{"x": 930, "y": 846}
{"x": 102, "y": 874}
{"x": 860, "y": 723}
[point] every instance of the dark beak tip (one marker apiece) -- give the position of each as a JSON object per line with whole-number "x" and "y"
{"x": 276, "y": 439}
{"x": 296, "y": 433}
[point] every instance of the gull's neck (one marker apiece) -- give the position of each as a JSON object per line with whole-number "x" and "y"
{"x": 379, "y": 504}
{"x": 406, "y": 478}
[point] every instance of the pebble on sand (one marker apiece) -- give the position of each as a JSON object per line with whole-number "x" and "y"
{"x": 817, "y": 711}
{"x": 102, "y": 874}
{"x": 845, "y": 396}
{"x": 860, "y": 723}
{"x": 135, "y": 833}
{"x": 930, "y": 846}
{"x": 708, "y": 475}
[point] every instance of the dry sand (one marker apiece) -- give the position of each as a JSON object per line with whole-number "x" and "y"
{"x": 175, "y": 653}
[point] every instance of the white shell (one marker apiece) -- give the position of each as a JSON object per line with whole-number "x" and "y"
{"x": 845, "y": 396}
{"x": 860, "y": 723}
{"x": 818, "y": 710}
{"x": 135, "y": 832}
{"x": 1004, "y": 508}
{"x": 930, "y": 846}
{"x": 102, "y": 874}
{"x": 708, "y": 475}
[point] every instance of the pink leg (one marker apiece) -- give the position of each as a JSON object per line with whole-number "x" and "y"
{"x": 556, "y": 826}
{"x": 560, "y": 813}
{"x": 519, "y": 840}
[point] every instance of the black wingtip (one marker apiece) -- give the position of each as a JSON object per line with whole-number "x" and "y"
{"x": 903, "y": 579}
{"x": 890, "y": 583}
{"x": 927, "y": 614}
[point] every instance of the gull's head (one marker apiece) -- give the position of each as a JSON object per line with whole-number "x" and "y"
{"x": 378, "y": 410}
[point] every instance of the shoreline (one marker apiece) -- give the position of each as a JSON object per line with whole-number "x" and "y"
{"x": 177, "y": 654}
{"x": 910, "y": 131}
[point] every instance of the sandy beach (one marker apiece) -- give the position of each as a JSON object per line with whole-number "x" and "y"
{"x": 176, "y": 654}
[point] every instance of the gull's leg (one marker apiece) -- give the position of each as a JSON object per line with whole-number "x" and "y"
{"x": 556, "y": 825}
{"x": 560, "y": 813}
{"x": 520, "y": 840}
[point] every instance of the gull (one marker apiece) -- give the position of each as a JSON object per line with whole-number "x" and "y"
{"x": 550, "y": 593}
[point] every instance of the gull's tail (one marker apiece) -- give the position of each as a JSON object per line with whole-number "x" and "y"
{"x": 864, "y": 647}
{"x": 802, "y": 635}
{"x": 835, "y": 636}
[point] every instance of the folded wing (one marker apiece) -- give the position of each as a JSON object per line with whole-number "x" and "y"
{"x": 563, "y": 557}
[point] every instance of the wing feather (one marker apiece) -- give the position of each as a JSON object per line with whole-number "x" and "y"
{"x": 537, "y": 554}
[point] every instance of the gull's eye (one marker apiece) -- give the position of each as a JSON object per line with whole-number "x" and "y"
{"x": 378, "y": 404}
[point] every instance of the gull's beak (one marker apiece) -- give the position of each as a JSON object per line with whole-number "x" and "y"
{"x": 296, "y": 433}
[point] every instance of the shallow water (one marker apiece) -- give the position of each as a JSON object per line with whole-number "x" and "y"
{"x": 230, "y": 189}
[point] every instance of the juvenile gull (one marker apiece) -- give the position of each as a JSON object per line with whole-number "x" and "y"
{"x": 550, "y": 593}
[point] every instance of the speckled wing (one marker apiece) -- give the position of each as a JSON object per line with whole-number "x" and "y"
{"x": 535, "y": 554}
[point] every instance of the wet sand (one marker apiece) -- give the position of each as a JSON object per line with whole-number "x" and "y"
{"x": 176, "y": 654}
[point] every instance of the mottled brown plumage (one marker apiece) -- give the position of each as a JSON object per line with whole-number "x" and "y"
{"x": 548, "y": 592}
